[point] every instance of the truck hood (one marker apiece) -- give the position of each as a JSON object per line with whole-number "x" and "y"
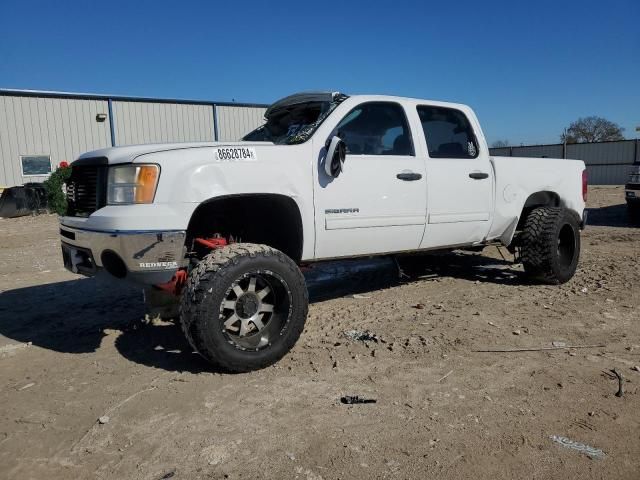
{"x": 129, "y": 153}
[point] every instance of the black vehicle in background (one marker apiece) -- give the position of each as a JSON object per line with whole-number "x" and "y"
{"x": 23, "y": 200}
{"x": 632, "y": 195}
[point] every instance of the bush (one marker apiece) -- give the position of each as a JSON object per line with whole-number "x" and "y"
{"x": 56, "y": 197}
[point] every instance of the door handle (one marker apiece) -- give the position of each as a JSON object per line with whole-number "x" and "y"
{"x": 408, "y": 176}
{"x": 478, "y": 175}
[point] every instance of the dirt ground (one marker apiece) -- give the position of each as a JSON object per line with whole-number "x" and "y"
{"x": 73, "y": 350}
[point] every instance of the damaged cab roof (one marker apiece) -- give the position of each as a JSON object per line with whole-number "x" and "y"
{"x": 302, "y": 97}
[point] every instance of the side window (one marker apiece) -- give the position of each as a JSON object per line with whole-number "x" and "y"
{"x": 448, "y": 133}
{"x": 376, "y": 128}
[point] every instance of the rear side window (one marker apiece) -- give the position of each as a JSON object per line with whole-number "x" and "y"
{"x": 376, "y": 128}
{"x": 448, "y": 133}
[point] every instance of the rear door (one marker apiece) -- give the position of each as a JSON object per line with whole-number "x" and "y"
{"x": 378, "y": 203}
{"x": 459, "y": 179}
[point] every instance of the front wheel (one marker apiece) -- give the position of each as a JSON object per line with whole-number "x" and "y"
{"x": 550, "y": 244}
{"x": 244, "y": 306}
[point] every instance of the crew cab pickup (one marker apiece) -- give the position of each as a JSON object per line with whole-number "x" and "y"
{"x": 225, "y": 226}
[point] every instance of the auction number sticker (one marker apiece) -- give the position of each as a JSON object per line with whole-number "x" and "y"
{"x": 235, "y": 154}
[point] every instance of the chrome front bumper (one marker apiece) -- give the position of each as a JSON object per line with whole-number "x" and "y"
{"x": 140, "y": 256}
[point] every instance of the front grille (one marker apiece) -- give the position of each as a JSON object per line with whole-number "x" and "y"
{"x": 86, "y": 189}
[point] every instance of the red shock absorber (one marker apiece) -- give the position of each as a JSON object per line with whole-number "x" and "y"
{"x": 212, "y": 243}
{"x": 177, "y": 282}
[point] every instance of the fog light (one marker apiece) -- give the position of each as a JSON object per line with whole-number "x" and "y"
{"x": 113, "y": 264}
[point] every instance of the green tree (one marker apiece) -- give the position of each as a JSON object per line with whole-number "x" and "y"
{"x": 592, "y": 129}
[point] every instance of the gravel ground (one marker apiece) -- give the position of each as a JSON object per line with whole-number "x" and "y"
{"x": 89, "y": 390}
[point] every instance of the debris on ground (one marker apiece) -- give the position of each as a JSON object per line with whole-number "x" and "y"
{"x": 353, "y": 399}
{"x": 559, "y": 344}
{"x": 620, "y": 391}
{"x": 636, "y": 368}
{"x": 359, "y": 296}
{"x": 445, "y": 376}
{"x": 536, "y": 349}
{"x": 418, "y": 306}
{"x": 104, "y": 419}
{"x": 588, "y": 450}
{"x": 516, "y": 332}
{"x": 361, "y": 336}
{"x": 28, "y": 385}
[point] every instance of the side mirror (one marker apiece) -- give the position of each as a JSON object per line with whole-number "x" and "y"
{"x": 336, "y": 153}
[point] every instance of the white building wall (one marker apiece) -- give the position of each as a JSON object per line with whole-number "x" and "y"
{"x": 235, "y": 122}
{"x": 59, "y": 128}
{"x": 63, "y": 126}
{"x": 148, "y": 122}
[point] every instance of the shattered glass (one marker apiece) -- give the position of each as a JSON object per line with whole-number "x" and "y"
{"x": 294, "y": 124}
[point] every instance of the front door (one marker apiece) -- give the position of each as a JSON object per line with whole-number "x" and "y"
{"x": 378, "y": 203}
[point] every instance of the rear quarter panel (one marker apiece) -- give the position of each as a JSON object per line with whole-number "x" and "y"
{"x": 517, "y": 178}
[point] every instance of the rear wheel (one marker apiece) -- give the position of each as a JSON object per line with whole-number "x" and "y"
{"x": 550, "y": 244}
{"x": 244, "y": 306}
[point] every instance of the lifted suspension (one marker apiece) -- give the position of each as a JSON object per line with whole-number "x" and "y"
{"x": 176, "y": 284}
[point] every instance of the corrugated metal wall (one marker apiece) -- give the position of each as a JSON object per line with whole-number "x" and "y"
{"x": 549, "y": 151}
{"x": 608, "y": 163}
{"x": 501, "y": 151}
{"x": 235, "y": 122}
{"x": 146, "y": 122}
{"x": 606, "y": 153}
{"x": 609, "y": 174}
{"x": 64, "y": 125}
{"x": 60, "y": 128}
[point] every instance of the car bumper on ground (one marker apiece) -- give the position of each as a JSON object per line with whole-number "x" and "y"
{"x": 147, "y": 257}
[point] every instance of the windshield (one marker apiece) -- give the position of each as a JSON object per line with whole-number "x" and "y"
{"x": 293, "y": 124}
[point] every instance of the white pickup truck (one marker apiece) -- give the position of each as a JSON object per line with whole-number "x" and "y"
{"x": 226, "y": 226}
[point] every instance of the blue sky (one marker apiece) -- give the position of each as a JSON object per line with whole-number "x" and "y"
{"x": 527, "y": 68}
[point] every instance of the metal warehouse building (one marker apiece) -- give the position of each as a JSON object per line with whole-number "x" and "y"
{"x": 38, "y": 130}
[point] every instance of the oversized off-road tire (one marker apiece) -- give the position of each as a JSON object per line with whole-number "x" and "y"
{"x": 550, "y": 244}
{"x": 244, "y": 306}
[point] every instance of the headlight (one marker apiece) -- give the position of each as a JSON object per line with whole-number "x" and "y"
{"x": 132, "y": 184}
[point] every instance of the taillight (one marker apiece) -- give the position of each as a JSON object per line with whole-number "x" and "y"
{"x": 585, "y": 179}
